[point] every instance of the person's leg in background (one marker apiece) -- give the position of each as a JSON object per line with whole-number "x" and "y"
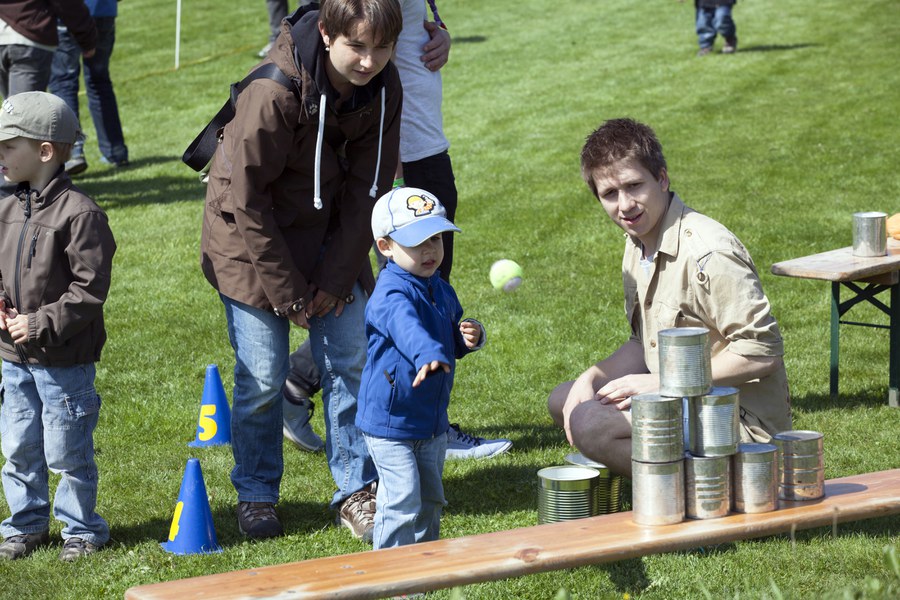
{"x": 706, "y": 31}
{"x": 64, "y": 73}
{"x": 435, "y": 174}
{"x": 277, "y": 10}
{"x": 724, "y": 25}
{"x": 301, "y": 385}
{"x": 102, "y": 98}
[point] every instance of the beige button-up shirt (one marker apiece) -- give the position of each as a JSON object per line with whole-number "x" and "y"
{"x": 702, "y": 276}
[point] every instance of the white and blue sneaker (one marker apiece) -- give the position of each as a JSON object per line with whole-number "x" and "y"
{"x": 298, "y": 410}
{"x": 463, "y": 445}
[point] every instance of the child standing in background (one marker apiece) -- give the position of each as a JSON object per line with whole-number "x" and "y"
{"x": 56, "y": 253}
{"x": 414, "y": 338}
{"x": 714, "y": 16}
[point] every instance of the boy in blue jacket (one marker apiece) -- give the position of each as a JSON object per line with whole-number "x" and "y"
{"x": 414, "y": 338}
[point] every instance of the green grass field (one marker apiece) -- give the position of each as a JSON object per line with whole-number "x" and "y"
{"x": 782, "y": 142}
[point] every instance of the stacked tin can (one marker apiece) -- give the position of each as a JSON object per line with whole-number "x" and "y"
{"x": 683, "y": 438}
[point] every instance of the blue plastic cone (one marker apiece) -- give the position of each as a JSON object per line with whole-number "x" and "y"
{"x": 214, "y": 422}
{"x": 192, "y": 530}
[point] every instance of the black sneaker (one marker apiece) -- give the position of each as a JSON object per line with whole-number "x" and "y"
{"x": 20, "y": 546}
{"x": 730, "y": 46}
{"x": 357, "y": 513}
{"x": 258, "y": 520}
{"x": 75, "y": 547}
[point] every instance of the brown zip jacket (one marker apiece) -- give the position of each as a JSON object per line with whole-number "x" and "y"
{"x": 56, "y": 251}
{"x": 264, "y": 241}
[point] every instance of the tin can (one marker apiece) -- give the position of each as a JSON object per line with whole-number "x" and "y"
{"x": 755, "y": 478}
{"x": 657, "y": 430}
{"x": 657, "y": 492}
{"x": 609, "y": 485}
{"x": 567, "y": 492}
{"x": 714, "y": 422}
{"x": 802, "y": 465}
{"x": 707, "y": 480}
{"x": 869, "y": 234}
{"x": 684, "y": 362}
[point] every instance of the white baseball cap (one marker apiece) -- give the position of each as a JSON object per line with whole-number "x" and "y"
{"x": 38, "y": 116}
{"x": 409, "y": 216}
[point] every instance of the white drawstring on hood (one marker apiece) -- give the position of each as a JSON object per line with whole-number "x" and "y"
{"x": 373, "y": 192}
{"x": 320, "y": 137}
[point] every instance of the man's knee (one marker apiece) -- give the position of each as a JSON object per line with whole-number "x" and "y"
{"x": 557, "y": 400}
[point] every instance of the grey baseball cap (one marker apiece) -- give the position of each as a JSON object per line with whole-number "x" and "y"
{"x": 39, "y": 116}
{"x": 409, "y": 216}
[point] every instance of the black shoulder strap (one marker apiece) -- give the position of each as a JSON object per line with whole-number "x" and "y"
{"x": 201, "y": 150}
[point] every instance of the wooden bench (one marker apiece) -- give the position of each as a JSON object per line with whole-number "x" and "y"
{"x": 878, "y": 274}
{"x": 491, "y": 556}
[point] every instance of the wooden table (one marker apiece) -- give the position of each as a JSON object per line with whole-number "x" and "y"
{"x": 866, "y": 278}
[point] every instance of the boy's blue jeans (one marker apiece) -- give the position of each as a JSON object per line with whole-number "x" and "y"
{"x": 261, "y": 344}
{"x": 410, "y": 494}
{"x": 102, "y": 104}
{"x": 714, "y": 20}
{"x": 47, "y": 421}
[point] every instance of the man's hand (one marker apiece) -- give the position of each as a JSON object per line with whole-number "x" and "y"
{"x": 436, "y": 52}
{"x": 619, "y": 391}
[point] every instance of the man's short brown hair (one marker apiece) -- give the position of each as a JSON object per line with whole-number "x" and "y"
{"x": 617, "y": 140}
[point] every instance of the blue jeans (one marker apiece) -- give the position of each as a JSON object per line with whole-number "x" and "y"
{"x": 260, "y": 342}
{"x": 23, "y": 69}
{"x": 713, "y": 20}
{"x": 410, "y": 494}
{"x": 47, "y": 421}
{"x": 339, "y": 351}
{"x": 98, "y": 85}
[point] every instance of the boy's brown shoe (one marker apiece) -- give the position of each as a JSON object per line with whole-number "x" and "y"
{"x": 357, "y": 513}
{"x": 75, "y": 547}
{"x": 20, "y": 546}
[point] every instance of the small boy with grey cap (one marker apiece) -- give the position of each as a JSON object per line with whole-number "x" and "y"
{"x": 56, "y": 251}
{"x": 415, "y": 336}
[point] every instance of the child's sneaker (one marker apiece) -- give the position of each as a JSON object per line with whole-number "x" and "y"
{"x": 21, "y": 545}
{"x": 463, "y": 445}
{"x": 75, "y": 547}
{"x": 357, "y": 513}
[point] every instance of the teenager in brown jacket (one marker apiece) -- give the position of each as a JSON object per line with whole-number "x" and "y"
{"x": 286, "y": 238}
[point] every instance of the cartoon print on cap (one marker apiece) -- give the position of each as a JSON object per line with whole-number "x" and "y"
{"x": 420, "y": 205}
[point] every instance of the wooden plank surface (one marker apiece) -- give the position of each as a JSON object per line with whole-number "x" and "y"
{"x": 841, "y": 265}
{"x": 499, "y": 555}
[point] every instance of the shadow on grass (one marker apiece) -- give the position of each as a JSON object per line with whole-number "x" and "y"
{"x": 122, "y": 188}
{"x": 774, "y": 47}
{"x": 298, "y": 518}
{"x": 872, "y": 398}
